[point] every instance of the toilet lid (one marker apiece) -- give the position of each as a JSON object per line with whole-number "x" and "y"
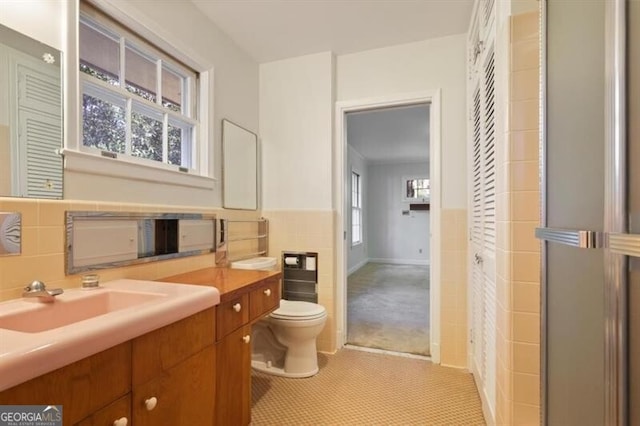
{"x": 298, "y": 310}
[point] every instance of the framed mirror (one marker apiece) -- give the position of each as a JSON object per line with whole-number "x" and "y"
{"x": 30, "y": 117}
{"x": 239, "y": 167}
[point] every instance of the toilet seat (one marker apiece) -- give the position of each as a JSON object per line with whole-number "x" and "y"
{"x": 298, "y": 311}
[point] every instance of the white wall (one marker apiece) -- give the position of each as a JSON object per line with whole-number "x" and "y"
{"x": 43, "y": 20}
{"x": 357, "y": 255}
{"x": 296, "y": 110}
{"x": 427, "y": 65}
{"x": 392, "y": 236}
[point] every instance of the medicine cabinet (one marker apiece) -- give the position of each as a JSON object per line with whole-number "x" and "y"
{"x": 100, "y": 240}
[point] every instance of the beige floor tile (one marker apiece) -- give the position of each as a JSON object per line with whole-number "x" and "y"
{"x": 362, "y": 388}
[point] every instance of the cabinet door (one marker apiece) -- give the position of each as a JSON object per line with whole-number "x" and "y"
{"x": 233, "y": 379}
{"x": 196, "y": 235}
{"x": 103, "y": 241}
{"x": 107, "y": 416}
{"x": 182, "y": 396}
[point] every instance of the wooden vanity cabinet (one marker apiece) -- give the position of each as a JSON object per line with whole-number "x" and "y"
{"x": 233, "y": 366}
{"x": 174, "y": 364}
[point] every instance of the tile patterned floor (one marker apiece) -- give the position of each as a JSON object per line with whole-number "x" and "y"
{"x": 388, "y": 308}
{"x": 363, "y": 388}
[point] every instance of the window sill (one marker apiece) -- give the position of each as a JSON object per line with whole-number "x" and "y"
{"x": 82, "y": 162}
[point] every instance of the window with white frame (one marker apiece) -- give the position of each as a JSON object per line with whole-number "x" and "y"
{"x": 416, "y": 188}
{"x": 138, "y": 102}
{"x": 356, "y": 209}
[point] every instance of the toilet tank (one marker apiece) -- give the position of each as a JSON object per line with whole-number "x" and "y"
{"x": 257, "y": 263}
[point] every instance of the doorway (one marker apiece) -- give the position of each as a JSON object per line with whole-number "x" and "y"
{"x": 388, "y": 228}
{"x": 361, "y": 252}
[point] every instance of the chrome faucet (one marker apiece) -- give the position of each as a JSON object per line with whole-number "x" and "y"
{"x": 39, "y": 290}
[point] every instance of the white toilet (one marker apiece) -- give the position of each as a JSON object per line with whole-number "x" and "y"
{"x": 284, "y": 342}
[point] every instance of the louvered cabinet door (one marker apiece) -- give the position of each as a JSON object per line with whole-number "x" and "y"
{"x": 477, "y": 280}
{"x": 489, "y": 223}
{"x": 482, "y": 163}
{"x": 40, "y": 137}
{"x": 39, "y": 130}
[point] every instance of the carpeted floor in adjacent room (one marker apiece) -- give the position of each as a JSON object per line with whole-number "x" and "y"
{"x": 361, "y": 388}
{"x": 388, "y": 308}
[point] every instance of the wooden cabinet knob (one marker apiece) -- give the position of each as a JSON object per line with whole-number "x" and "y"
{"x": 122, "y": 421}
{"x": 237, "y": 307}
{"x": 246, "y": 338}
{"x": 267, "y": 292}
{"x": 151, "y": 403}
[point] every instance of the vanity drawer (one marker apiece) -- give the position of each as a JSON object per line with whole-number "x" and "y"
{"x": 231, "y": 315}
{"x": 264, "y": 299}
{"x": 155, "y": 352}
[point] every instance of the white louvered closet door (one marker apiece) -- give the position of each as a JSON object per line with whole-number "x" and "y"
{"x": 39, "y": 122}
{"x": 482, "y": 148}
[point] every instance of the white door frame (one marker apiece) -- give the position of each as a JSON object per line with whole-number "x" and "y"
{"x": 340, "y": 157}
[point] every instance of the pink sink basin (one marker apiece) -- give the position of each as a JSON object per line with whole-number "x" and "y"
{"x": 36, "y": 338}
{"x": 46, "y": 316}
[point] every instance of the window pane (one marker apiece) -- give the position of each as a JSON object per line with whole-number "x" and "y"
{"x": 159, "y": 129}
{"x": 180, "y": 145}
{"x": 99, "y": 55}
{"x": 418, "y": 188}
{"x": 172, "y": 85}
{"x": 422, "y": 193}
{"x": 355, "y": 189}
{"x": 141, "y": 74}
{"x": 146, "y": 137}
{"x": 103, "y": 124}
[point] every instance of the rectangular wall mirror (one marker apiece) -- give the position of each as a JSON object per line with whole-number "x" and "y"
{"x": 30, "y": 117}
{"x": 239, "y": 167}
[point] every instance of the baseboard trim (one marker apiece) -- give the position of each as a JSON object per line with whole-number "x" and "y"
{"x": 418, "y": 262}
{"x": 357, "y": 266}
{"x": 386, "y": 352}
